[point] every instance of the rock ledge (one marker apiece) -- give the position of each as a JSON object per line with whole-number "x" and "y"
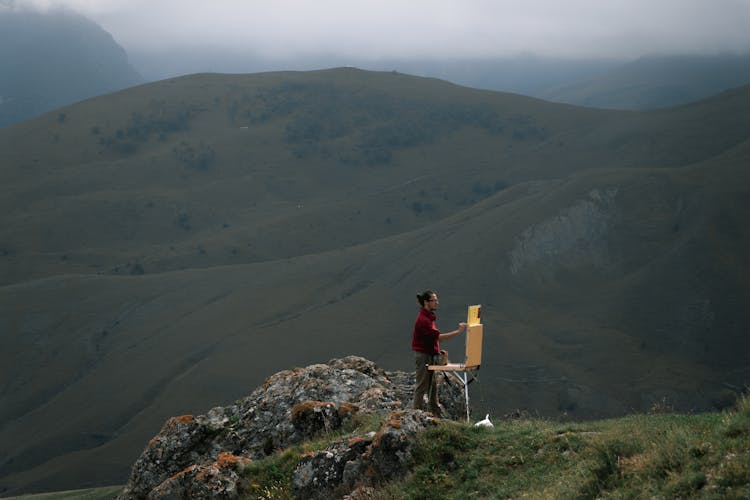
{"x": 204, "y": 456}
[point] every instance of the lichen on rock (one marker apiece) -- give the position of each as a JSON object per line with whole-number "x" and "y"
{"x": 202, "y": 456}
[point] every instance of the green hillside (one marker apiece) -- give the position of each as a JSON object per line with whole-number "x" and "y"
{"x": 165, "y": 248}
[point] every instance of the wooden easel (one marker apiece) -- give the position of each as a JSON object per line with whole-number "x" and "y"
{"x": 465, "y": 372}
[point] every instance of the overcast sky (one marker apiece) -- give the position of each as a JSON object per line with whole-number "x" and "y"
{"x": 426, "y": 28}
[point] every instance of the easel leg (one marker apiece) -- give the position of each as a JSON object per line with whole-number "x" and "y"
{"x": 466, "y": 393}
{"x": 463, "y": 377}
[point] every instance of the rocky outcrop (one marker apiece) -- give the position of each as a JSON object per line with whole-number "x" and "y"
{"x": 203, "y": 456}
{"x": 361, "y": 461}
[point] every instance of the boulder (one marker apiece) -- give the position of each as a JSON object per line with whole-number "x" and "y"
{"x": 198, "y": 456}
{"x": 359, "y": 463}
{"x": 217, "y": 480}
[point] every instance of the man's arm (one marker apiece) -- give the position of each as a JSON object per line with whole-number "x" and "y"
{"x": 450, "y": 335}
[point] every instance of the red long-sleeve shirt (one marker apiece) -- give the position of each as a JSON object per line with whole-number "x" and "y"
{"x": 426, "y": 334}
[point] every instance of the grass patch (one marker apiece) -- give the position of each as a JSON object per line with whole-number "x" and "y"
{"x": 271, "y": 477}
{"x": 641, "y": 456}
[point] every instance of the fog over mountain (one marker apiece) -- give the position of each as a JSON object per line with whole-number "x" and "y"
{"x": 656, "y": 82}
{"x": 50, "y": 59}
{"x": 604, "y": 55}
{"x": 624, "y": 55}
{"x": 426, "y": 29}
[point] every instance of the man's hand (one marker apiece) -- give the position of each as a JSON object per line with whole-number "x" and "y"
{"x": 462, "y": 327}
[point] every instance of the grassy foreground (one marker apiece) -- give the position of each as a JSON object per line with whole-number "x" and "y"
{"x": 662, "y": 455}
{"x": 642, "y": 456}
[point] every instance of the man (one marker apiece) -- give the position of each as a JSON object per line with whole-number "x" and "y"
{"x": 426, "y": 345}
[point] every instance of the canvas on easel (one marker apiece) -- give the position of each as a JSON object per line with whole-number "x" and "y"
{"x": 474, "y": 317}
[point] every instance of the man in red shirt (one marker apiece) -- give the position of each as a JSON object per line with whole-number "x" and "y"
{"x": 426, "y": 346}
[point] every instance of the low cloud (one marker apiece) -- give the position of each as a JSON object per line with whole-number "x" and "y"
{"x": 424, "y": 28}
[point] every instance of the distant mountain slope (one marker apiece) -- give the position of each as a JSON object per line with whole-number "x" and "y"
{"x": 165, "y": 248}
{"x": 53, "y": 59}
{"x": 657, "y": 82}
